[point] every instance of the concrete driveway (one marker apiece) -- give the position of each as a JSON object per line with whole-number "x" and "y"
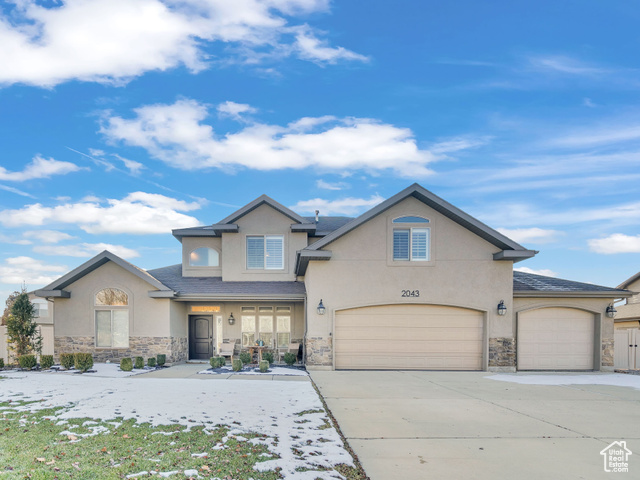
{"x": 462, "y": 425}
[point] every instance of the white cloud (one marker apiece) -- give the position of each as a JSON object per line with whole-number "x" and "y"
{"x": 344, "y": 206}
{"x": 138, "y": 213}
{"x": 16, "y": 191}
{"x": 615, "y": 243}
{"x": 112, "y": 41}
{"x": 85, "y": 250}
{"x": 530, "y": 235}
{"x": 47, "y": 236}
{"x": 543, "y": 271}
{"x": 234, "y": 110}
{"x": 331, "y": 186}
{"x": 566, "y": 65}
{"x": 39, "y": 168}
{"x": 177, "y": 135}
{"x": 459, "y": 143}
{"x": 34, "y": 273}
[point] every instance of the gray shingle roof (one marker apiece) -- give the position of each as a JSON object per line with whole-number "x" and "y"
{"x": 327, "y": 225}
{"x": 171, "y": 276}
{"x": 529, "y": 282}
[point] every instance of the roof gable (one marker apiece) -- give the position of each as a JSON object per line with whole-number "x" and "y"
{"x": 262, "y": 200}
{"x": 56, "y": 288}
{"x": 629, "y": 281}
{"x": 445, "y": 208}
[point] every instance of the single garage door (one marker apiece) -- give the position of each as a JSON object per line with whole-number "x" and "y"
{"x": 409, "y": 337}
{"x": 555, "y": 339}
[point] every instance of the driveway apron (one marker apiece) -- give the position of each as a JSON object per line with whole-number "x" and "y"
{"x": 463, "y": 425}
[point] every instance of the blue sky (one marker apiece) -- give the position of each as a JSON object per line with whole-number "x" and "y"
{"x": 120, "y": 120}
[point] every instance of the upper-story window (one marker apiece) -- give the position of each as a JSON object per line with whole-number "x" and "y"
{"x": 411, "y": 241}
{"x": 112, "y": 318}
{"x": 204, "y": 257}
{"x": 40, "y": 308}
{"x": 265, "y": 252}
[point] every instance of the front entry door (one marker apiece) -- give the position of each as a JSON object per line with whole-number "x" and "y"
{"x": 200, "y": 338}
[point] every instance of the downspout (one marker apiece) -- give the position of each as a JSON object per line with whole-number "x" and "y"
{"x": 304, "y": 338}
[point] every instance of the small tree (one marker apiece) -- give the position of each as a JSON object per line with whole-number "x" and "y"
{"x": 22, "y": 330}
{"x": 9, "y": 303}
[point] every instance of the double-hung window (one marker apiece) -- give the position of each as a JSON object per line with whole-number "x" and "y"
{"x": 411, "y": 243}
{"x": 265, "y": 252}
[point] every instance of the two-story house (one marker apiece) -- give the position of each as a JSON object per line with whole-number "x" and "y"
{"x": 414, "y": 283}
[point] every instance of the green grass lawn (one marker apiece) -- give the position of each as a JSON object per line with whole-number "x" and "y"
{"x": 32, "y": 445}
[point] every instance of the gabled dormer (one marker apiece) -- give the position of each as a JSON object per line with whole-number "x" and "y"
{"x": 257, "y": 242}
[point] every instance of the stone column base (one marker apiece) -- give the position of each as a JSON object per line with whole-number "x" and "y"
{"x": 502, "y": 352}
{"x": 319, "y": 351}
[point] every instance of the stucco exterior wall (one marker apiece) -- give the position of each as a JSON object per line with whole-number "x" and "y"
{"x": 604, "y": 330}
{"x": 148, "y": 317}
{"x": 264, "y": 220}
{"x": 189, "y": 244}
{"x": 179, "y": 326}
{"x": 634, "y": 287}
{"x": 361, "y": 272}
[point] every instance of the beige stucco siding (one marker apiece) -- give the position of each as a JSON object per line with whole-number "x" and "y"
{"x": 178, "y": 322}
{"x": 264, "y": 220}
{"x": 148, "y": 317}
{"x": 461, "y": 272}
{"x": 189, "y": 244}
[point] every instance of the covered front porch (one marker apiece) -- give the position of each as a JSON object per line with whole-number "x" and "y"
{"x": 212, "y": 326}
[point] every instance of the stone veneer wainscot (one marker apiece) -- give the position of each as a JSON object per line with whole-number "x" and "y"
{"x": 174, "y": 348}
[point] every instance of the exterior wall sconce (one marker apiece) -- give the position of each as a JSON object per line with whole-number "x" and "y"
{"x": 611, "y": 311}
{"x": 231, "y": 319}
{"x": 321, "y": 308}
{"x": 502, "y": 309}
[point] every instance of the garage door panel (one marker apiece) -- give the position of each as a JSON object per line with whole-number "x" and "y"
{"x": 556, "y": 339}
{"x": 409, "y": 337}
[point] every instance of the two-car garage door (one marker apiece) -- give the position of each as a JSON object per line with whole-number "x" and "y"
{"x": 405, "y": 337}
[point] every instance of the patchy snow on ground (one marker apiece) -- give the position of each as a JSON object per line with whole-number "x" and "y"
{"x": 289, "y": 412}
{"x": 612, "y": 379}
{"x": 272, "y": 371}
{"x": 110, "y": 370}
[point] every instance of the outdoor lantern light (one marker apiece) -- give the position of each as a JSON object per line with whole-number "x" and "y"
{"x": 231, "y": 319}
{"x": 502, "y": 309}
{"x": 321, "y": 308}
{"x": 611, "y": 311}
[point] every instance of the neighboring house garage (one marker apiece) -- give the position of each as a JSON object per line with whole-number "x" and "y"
{"x": 556, "y": 339}
{"x": 420, "y": 337}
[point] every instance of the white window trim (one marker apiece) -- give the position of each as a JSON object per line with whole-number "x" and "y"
{"x": 410, "y": 230}
{"x": 264, "y": 254}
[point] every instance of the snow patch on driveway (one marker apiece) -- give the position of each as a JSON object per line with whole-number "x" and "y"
{"x": 612, "y": 379}
{"x": 290, "y": 414}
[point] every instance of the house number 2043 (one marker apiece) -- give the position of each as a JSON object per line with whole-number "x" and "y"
{"x": 410, "y": 293}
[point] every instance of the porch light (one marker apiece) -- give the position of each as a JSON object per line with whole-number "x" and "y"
{"x": 231, "y": 319}
{"x": 321, "y": 308}
{"x": 502, "y": 309}
{"x": 611, "y": 311}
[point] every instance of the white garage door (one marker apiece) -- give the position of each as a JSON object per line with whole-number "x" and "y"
{"x": 409, "y": 337}
{"x": 555, "y": 339}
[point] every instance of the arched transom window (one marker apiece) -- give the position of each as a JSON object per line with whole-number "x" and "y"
{"x": 112, "y": 318}
{"x": 204, "y": 257}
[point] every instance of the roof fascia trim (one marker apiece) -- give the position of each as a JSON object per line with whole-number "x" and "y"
{"x": 546, "y": 294}
{"x": 632, "y": 279}
{"x": 262, "y": 200}
{"x": 514, "y": 255}
{"x": 440, "y": 205}
{"x": 95, "y": 263}
{"x": 303, "y": 257}
{"x": 226, "y": 297}
{"x": 52, "y": 293}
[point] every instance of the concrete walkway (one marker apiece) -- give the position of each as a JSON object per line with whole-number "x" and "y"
{"x": 462, "y": 425}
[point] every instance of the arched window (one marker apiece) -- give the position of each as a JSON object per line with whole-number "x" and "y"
{"x": 410, "y": 219}
{"x": 112, "y": 318}
{"x": 204, "y": 257}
